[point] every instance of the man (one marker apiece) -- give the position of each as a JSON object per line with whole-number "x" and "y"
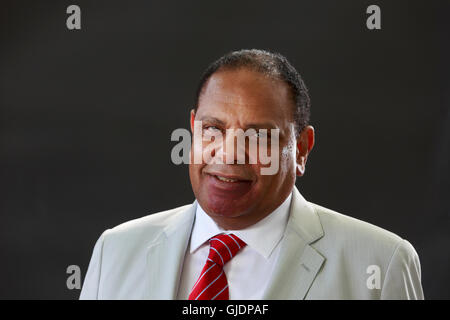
{"x": 250, "y": 235}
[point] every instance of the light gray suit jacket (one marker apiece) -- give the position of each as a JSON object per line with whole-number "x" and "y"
{"x": 323, "y": 255}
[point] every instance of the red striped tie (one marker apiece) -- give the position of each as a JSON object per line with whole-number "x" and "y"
{"x": 212, "y": 283}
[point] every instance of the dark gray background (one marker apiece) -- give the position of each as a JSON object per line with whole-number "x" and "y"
{"x": 86, "y": 118}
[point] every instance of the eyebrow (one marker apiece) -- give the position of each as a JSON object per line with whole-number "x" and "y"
{"x": 263, "y": 125}
{"x": 211, "y": 120}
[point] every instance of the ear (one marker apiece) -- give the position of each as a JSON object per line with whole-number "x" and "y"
{"x": 305, "y": 143}
{"x": 192, "y": 120}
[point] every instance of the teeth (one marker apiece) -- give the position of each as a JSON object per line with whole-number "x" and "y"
{"x": 226, "y": 179}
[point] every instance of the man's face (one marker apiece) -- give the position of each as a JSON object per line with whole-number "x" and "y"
{"x": 242, "y": 99}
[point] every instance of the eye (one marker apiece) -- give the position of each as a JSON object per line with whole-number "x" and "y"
{"x": 211, "y": 128}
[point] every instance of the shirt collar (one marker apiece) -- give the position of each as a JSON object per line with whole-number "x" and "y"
{"x": 263, "y": 236}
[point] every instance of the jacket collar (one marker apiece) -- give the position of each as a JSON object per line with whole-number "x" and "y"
{"x": 165, "y": 255}
{"x": 297, "y": 265}
{"x": 298, "y": 262}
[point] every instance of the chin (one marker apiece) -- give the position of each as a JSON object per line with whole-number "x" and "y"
{"x": 225, "y": 208}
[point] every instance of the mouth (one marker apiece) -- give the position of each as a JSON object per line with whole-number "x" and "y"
{"x": 228, "y": 178}
{"x": 228, "y": 186}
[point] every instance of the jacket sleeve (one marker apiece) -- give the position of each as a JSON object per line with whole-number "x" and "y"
{"x": 92, "y": 279}
{"x": 403, "y": 276}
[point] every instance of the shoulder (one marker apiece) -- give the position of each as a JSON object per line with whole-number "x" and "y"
{"x": 146, "y": 228}
{"x": 335, "y": 224}
{"x": 357, "y": 239}
{"x": 364, "y": 261}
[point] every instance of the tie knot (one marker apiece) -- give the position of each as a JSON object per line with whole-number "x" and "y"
{"x": 223, "y": 247}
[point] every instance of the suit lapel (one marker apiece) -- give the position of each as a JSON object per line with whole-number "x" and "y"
{"x": 296, "y": 268}
{"x": 298, "y": 262}
{"x": 165, "y": 256}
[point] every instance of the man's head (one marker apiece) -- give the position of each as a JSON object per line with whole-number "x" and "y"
{"x": 241, "y": 90}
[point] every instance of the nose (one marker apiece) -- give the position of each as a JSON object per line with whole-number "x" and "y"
{"x": 232, "y": 149}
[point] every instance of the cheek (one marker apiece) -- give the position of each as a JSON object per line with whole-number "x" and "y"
{"x": 286, "y": 166}
{"x": 196, "y": 151}
{"x": 287, "y": 159}
{"x": 195, "y": 175}
{"x": 205, "y": 151}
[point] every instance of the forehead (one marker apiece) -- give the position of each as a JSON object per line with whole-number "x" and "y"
{"x": 245, "y": 95}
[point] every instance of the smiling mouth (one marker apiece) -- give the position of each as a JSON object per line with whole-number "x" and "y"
{"x": 231, "y": 187}
{"x": 228, "y": 179}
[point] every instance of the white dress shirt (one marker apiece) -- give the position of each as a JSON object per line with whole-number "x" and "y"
{"x": 248, "y": 272}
